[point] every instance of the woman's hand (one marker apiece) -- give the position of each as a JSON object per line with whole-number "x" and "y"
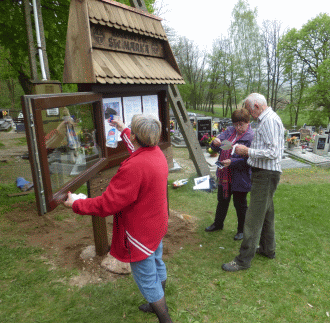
{"x": 242, "y": 150}
{"x": 226, "y": 162}
{"x": 68, "y": 203}
{"x": 120, "y": 126}
{"x": 216, "y": 142}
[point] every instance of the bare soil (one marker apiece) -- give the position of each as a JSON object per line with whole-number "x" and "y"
{"x": 63, "y": 240}
{"x": 62, "y": 234}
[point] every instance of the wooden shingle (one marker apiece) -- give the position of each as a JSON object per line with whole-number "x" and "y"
{"x": 125, "y": 45}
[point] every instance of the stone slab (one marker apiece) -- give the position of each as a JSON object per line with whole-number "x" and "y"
{"x": 176, "y": 167}
{"x": 309, "y": 157}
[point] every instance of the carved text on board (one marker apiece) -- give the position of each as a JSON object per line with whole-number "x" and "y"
{"x": 125, "y": 42}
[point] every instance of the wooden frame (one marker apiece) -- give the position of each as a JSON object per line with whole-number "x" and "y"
{"x": 33, "y": 105}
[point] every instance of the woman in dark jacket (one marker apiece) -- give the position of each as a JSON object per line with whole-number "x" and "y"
{"x": 235, "y": 177}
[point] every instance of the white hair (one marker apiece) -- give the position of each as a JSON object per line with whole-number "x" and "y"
{"x": 254, "y": 98}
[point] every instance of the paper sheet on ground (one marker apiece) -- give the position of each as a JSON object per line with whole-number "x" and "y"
{"x": 202, "y": 183}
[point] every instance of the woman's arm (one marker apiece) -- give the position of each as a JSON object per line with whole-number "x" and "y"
{"x": 125, "y": 134}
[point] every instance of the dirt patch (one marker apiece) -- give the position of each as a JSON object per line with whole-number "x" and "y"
{"x": 62, "y": 235}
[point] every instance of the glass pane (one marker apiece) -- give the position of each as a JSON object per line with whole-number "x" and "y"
{"x": 70, "y": 142}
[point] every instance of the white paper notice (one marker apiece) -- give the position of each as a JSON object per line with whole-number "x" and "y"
{"x": 150, "y": 105}
{"x": 111, "y": 107}
{"x": 202, "y": 183}
{"x": 132, "y": 105}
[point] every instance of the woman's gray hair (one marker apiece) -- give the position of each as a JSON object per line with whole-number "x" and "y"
{"x": 254, "y": 98}
{"x": 147, "y": 129}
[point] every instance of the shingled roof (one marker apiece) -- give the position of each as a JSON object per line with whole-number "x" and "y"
{"x": 111, "y": 43}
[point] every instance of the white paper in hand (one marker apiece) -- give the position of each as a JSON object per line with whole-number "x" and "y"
{"x": 233, "y": 151}
{"x": 226, "y": 145}
{"x": 78, "y": 196}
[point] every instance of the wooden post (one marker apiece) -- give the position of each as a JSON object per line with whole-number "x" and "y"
{"x": 100, "y": 235}
{"x": 32, "y": 51}
{"x": 99, "y": 231}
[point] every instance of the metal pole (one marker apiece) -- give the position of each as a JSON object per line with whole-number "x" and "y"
{"x": 41, "y": 56}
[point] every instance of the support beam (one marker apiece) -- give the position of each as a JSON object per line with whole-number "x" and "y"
{"x": 32, "y": 50}
{"x": 188, "y": 132}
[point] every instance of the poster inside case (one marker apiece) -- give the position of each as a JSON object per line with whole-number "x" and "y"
{"x": 150, "y": 105}
{"x": 112, "y": 107}
{"x": 132, "y": 105}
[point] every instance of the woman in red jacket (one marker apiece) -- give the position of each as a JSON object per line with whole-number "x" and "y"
{"x": 137, "y": 197}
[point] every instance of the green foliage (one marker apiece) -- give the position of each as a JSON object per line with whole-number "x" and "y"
{"x": 15, "y": 50}
{"x": 317, "y": 118}
{"x": 307, "y": 53}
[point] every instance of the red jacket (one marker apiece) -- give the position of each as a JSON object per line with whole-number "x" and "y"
{"x": 137, "y": 196}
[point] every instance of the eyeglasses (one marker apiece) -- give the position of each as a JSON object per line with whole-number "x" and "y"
{"x": 239, "y": 125}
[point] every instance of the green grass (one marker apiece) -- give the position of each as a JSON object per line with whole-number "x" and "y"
{"x": 292, "y": 288}
{"x": 21, "y": 141}
{"x": 8, "y": 203}
{"x": 2, "y": 146}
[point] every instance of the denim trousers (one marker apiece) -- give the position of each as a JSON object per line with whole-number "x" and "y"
{"x": 149, "y": 275}
{"x": 259, "y": 228}
{"x": 240, "y": 204}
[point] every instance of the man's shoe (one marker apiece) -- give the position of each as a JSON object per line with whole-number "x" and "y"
{"x": 239, "y": 236}
{"x": 261, "y": 253}
{"x": 212, "y": 228}
{"x": 232, "y": 266}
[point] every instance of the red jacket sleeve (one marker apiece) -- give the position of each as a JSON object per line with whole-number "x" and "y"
{"x": 119, "y": 194}
{"x": 126, "y": 135}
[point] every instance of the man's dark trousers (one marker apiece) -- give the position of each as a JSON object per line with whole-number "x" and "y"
{"x": 259, "y": 228}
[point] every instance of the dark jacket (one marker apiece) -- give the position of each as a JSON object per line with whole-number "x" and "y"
{"x": 240, "y": 170}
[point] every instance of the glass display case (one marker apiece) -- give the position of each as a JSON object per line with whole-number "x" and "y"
{"x": 66, "y": 143}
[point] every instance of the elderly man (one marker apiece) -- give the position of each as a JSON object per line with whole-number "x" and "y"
{"x": 265, "y": 155}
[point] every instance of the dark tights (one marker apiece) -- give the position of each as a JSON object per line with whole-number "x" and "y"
{"x": 240, "y": 204}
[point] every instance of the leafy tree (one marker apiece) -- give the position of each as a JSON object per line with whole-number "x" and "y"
{"x": 191, "y": 62}
{"x": 224, "y": 74}
{"x": 309, "y": 49}
{"x": 10, "y": 90}
{"x": 55, "y": 15}
{"x": 274, "y": 60}
{"x": 244, "y": 32}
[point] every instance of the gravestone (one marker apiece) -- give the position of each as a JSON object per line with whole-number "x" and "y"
{"x": 312, "y": 129}
{"x": 203, "y": 126}
{"x": 304, "y": 133}
{"x": 321, "y": 145}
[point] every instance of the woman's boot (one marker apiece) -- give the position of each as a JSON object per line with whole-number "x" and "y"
{"x": 147, "y": 307}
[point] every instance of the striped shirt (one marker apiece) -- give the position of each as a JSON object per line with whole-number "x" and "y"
{"x": 267, "y": 146}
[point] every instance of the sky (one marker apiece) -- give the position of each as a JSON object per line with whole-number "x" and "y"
{"x": 206, "y": 20}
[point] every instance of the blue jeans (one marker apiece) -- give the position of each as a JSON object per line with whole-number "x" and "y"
{"x": 149, "y": 275}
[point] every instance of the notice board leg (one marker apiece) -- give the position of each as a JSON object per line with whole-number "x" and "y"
{"x": 100, "y": 235}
